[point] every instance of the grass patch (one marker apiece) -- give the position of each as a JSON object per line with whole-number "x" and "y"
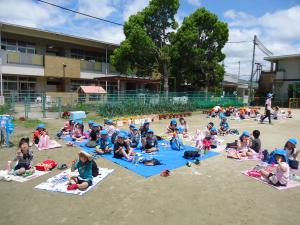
{"x": 30, "y": 123}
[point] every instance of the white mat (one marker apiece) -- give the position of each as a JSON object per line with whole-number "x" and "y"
{"x": 59, "y": 182}
{"x": 36, "y": 174}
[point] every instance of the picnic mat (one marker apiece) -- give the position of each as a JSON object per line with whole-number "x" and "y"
{"x": 169, "y": 158}
{"x": 52, "y": 144}
{"x": 291, "y": 183}
{"x": 36, "y": 174}
{"x": 59, "y": 182}
{"x": 255, "y": 157}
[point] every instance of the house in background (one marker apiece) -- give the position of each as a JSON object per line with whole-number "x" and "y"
{"x": 283, "y": 78}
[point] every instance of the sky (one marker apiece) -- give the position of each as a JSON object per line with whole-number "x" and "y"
{"x": 275, "y": 22}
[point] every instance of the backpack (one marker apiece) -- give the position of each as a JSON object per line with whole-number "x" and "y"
{"x": 176, "y": 144}
{"x": 95, "y": 170}
{"x": 191, "y": 154}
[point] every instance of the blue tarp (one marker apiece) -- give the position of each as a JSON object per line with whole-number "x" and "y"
{"x": 169, "y": 158}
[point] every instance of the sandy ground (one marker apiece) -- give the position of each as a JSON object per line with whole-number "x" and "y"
{"x": 217, "y": 194}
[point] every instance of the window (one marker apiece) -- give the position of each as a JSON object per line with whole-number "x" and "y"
{"x": 20, "y": 46}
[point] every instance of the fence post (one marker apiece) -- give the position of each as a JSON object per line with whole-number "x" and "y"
{"x": 44, "y": 105}
{"x": 26, "y": 107}
{"x": 59, "y": 107}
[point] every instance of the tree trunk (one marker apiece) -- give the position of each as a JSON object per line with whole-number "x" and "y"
{"x": 166, "y": 77}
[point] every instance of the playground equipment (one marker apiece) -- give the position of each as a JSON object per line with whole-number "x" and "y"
{"x": 6, "y": 129}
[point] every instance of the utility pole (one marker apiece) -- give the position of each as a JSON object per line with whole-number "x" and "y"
{"x": 252, "y": 70}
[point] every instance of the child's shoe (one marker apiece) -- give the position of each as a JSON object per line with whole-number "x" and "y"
{"x": 72, "y": 187}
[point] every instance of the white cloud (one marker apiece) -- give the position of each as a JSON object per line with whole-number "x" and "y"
{"x": 133, "y": 7}
{"x": 279, "y": 31}
{"x": 28, "y": 13}
{"x": 194, "y": 2}
{"x": 98, "y": 8}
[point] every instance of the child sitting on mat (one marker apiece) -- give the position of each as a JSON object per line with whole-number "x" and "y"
{"x": 255, "y": 141}
{"x": 210, "y": 125}
{"x": 135, "y": 138}
{"x": 104, "y": 143}
{"x": 150, "y": 144}
{"x": 93, "y": 136}
{"x": 224, "y": 126}
{"x": 281, "y": 176}
{"x": 183, "y": 125}
{"x": 290, "y": 148}
{"x": 38, "y": 132}
{"x": 90, "y": 124}
{"x": 67, "y": 129}
{"x": 131, "y": 127}
{"x": 109, "y": 126}
{"x": 122, "y": 148}
{"x": 244, "y": 145}
{"x": 84, "y": 167}
{"x": 23, "y": 159}
{"x": 44, "y": 141}
{"x": 78, "y": 132}
{"x": 172, "y": 126}
{"x": 144, "y": 129}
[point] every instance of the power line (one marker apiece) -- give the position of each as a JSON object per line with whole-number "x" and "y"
{"x": 83, "y": 14}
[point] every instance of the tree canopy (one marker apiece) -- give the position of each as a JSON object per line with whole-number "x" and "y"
{"x": 197, "y": 49}
{"x": 192, "y": 54}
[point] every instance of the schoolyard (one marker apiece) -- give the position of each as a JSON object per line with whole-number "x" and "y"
{"x": 213, "y": 193}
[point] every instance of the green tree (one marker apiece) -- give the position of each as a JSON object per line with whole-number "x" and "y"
{"x": 146, "y": 47}
{"x": 197, "y": 50}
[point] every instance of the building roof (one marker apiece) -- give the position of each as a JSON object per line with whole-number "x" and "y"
{"x": 92, "y": 89}
{"x": 40, "y": 33}
{"x": 278, "y": 57}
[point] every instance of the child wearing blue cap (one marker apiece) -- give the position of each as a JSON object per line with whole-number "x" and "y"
{"x": 40, "y": 130}
{"x": 149, "y": 143}
{"x": 172, "y": 126}
{"x": 135, "y": 138}
{"x": 109, "y": 126}
{"x": 281, "y": 176}
{"x": 244, "y": 145}
{"x": 224, "y": 126}
{"x": 144, "y": 129}
{"x": 290, "y": 148}
{"x": 104, "y": 143}
{"x": 122, "y": 148}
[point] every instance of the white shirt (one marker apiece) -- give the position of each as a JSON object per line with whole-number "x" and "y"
{"x": 268, "y": 103}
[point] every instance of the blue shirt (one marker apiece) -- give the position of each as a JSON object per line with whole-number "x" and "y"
{"x": 105, "y": 142}
{"x": 225, "y": 125}
{"x": 84, "y": 170}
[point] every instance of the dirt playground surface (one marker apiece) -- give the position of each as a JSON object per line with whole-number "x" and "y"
{"x": 217, "y": 193}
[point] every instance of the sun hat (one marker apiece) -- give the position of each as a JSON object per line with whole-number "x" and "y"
{"x": 146, "y": 122}
{"x": 135, "y": 128}
{"x": 104, "y": 132}
{"x": 150, "y": 131}
{"x": 85, "y": 154}
{"x": 293, "y": 141}
{"x": 282, "y": 153}
{"x": 173, "y": 122}
{"x": 213, "y": 129}
{"x": 269, "y": 95}
{"x": 109, "y": 122}
{"x": 91, "y": 122}
{"x": 80, "y": 122}
{"x": 246, "y": 133}
{"x": 41, "y": 126}
{"x": 95, "y": 125}
{"x": 131, "y": 126}
{"x": 122, "y": 135}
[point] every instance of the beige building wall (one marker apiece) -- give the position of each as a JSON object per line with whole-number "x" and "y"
{"x": 54, "y": 67}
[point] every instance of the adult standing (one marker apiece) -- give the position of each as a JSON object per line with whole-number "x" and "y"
{"x": 268, "y": 107}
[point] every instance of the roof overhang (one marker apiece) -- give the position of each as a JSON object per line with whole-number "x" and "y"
{"x": 281, "y": 57}
{"x": 55, "y": 36}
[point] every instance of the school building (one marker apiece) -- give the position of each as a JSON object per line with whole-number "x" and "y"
{"x": 283, "y": 78}
{"x": 39, "y": 61}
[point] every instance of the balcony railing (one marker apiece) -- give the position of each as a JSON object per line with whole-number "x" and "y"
{"x": 23, "y": 58}
{"x": 9, "y": 57}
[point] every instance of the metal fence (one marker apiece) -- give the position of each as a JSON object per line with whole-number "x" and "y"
{"x": 113, "y": 104}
